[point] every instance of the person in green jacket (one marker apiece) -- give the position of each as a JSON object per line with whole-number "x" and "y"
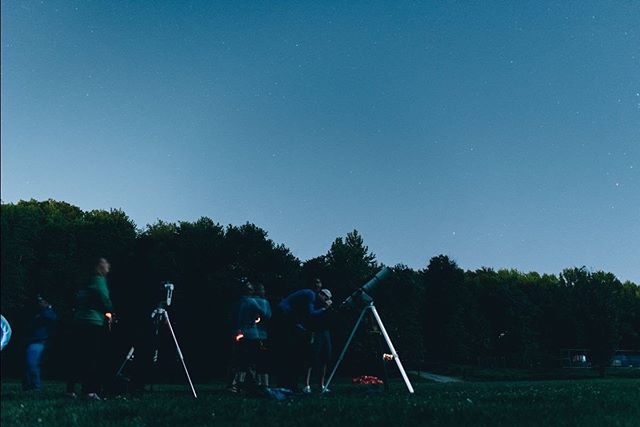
{"x": 92, "y": 314}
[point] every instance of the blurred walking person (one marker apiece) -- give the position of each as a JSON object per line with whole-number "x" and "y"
{"x": 92, "y": 314}
{"x": 38, "y": 334}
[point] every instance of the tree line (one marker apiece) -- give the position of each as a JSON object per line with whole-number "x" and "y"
{"x": 438, "y": 315}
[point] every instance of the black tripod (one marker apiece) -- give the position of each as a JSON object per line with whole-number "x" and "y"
{"x": 159, "y": 316}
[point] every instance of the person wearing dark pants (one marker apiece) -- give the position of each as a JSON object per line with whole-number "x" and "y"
{"x": 93, "y": 311}
{"x": 88, "y": 353}
{"x": 292, "y": 334}
{"x": 237, "y": 361}
{"x": 260, "y": 337}
{"x": 320, "y": 357}
{"x": 251, "y": 310}
{"x": 38, "y": 333}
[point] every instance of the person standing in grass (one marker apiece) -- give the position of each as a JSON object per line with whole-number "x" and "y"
{"x": 38, "y": 333}
{"x": 320, "y": 352}
{"x": 291, "y": 333}
{"x": 93, "y": 312}
{"x": 238, "y": 357}
{"x": 250, "y": 310}
{"x": 256, "y": 336}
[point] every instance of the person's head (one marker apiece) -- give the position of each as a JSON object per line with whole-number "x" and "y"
{"x": 103, "y": 267}
{"x": 41, "y": 301}
{"x": 324, "y": 297}
{"x": 316, "y": 284}
{"x": 259, "y": 290}
{"x": 246, "y": 287}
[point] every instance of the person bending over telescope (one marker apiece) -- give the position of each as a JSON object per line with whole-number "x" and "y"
{"x": 320, "y": 349}
{"x": 291, "y": 332}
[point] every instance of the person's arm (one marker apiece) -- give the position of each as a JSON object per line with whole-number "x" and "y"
{"x": 103, "y": 294}
{"x": 6, "y": 332}
{"x": 267, "y": 310}
{"x": 245, "y": 317}
{"x": 50, "y": 315}
{"x": 233, "y": 317}
{"x": 312, "y": 312}
{"x": 264, "y": 308}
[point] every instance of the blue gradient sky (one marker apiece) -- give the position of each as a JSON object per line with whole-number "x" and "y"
{"x": 504, "y": 135}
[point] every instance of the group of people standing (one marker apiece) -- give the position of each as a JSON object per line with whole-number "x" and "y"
{"x": 289, "y": 341}
{"x": 87, "y": 334}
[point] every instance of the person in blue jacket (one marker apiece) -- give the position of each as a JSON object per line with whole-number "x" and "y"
{"x": 320, "y": 350}
{"x": 37, "y": 336}
{"x": 247, "y": 312}
{"x": 292, "y": 326}
{"x": 257, "y": 336}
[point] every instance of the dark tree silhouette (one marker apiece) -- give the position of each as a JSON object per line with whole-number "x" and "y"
{"x": 441, "y": 315}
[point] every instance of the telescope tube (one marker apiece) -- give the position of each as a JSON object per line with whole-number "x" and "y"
{"x": 363, "y": 293}
{"x": 383, "y": 274}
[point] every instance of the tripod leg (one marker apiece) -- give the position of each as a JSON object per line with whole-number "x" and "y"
{"x": 153, "y": 370}
{"x": 393, "y": 350}
{"x": 184, "y": 365}
{"x": 128, "y": 357}
{"x": 344, "y": 350}
{"x": 385, "y": 371}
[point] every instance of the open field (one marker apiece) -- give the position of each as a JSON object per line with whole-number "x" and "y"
{"x": 564, "y": 403}
{"x": 474, "y": 373}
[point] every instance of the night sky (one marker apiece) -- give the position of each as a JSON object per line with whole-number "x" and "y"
{"x": 504, "y": 134}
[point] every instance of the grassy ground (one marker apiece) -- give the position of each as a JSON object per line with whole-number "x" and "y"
{"x": 474, "y": 373}
{"x": 591, "y": 402}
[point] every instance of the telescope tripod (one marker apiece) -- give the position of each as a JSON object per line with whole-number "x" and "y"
{"x": 159, "y": 315}
{"x": 370, "y": 308}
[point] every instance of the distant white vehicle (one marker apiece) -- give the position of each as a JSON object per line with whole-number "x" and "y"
{"x": 626, "y": 359}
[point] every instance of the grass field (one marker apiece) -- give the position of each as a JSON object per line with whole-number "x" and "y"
{"x": 474, "y": 373}
{"x": 593, "y": 402}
